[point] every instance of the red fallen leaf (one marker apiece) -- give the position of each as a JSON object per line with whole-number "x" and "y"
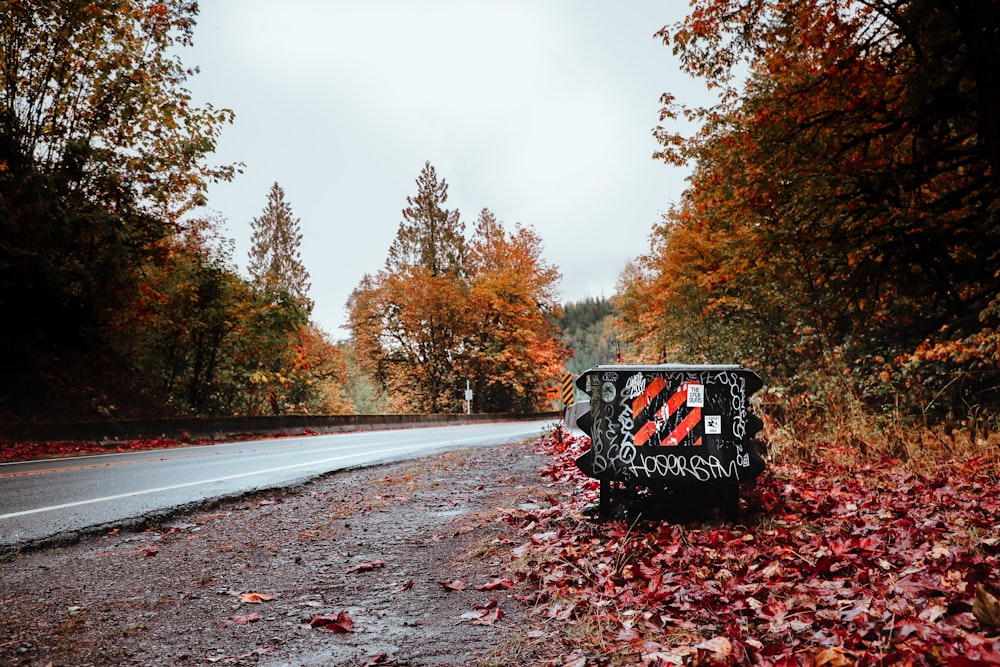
{"x": 505, "y": 582}
{"x": 717, "y": 650}
{"x": 457, "y": 585}
{"x": 339, "y": 623}
{"x": 243, "y": 620}
{"x": 255, "y": 598}
{"x": 380, "y": 659}
{"x": 151, "y": 551}
{"x": 367, "y": 566}
{"x": 405, "y": 587}
{"x": 488, "y": 614}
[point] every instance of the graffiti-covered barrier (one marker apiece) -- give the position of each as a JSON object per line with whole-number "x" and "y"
{"x": 670, "y": 424}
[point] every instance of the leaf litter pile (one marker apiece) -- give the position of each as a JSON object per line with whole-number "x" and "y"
{"x": 493, "y": 557}
{"x": 869, "y": 566}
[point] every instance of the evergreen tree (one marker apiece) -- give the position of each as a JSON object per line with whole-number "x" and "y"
{"x": 589, "y": 330}
{"x": 430, "y": 236}
{"x": 274, "y": 253}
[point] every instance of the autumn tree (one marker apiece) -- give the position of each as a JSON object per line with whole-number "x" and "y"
{"x": 406, "y": 319}
{"x": 841, "y": 207}
{"x": 444, "y": 310}
{"x": 101, "y": 151}
{"x": 275, "y": 262}
{"x": 511, "y": 349}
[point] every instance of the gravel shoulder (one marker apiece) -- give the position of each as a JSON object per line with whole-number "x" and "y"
{"x": 411, "y": 555}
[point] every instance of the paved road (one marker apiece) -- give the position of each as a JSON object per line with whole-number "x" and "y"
{"x": 53, "y": 499}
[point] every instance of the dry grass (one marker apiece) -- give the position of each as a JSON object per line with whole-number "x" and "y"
{"x": 849, "y": 434}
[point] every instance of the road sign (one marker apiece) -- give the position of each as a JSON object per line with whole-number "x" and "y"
{"x": 568, "y": 393}
{"x": 552, "y": 393}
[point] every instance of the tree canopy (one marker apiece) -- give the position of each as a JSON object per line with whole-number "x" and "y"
{"x": 840, "y": 220}
{"x": 113, "y": 288}
{"x": 101, "y": 152}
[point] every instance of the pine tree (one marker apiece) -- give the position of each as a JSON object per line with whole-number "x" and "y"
{"x": 274, "y": 253}
{"x": 430, "y": 236}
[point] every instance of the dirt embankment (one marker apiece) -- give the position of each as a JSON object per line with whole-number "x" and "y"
{"x": 391, "y": 565}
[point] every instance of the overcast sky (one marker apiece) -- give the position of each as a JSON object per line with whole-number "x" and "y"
{"x": 539, "y": 110}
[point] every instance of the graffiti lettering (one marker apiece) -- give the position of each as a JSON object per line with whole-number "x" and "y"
{"x": 699, "y": 468}
{"x": 634, "y": 386}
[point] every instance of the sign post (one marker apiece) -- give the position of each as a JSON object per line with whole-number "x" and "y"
{"x": 468, "y": 398}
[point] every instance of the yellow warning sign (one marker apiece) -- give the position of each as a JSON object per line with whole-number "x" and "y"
{"x": 568, "y": 393}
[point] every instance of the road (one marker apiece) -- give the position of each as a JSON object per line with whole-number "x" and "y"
{"x": 42, "y": 501}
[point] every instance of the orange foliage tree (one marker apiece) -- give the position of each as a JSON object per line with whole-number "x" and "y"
{"x": 444, "y": 310}
{"x": 511, "y": 346}
{"x": 841, "y": 216}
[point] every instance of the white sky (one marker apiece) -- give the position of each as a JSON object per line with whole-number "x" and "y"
{"x": 539, "y": 110}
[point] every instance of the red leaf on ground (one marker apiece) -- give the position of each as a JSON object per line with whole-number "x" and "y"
{"x": 380, "y": 659}
{"x": 488, "y": 614}
{"x": 505, "y": 582}
{"x": 243, "y": 620}
{"x": 339, "y": 623}
{"x": 457, "y": 585}
{"x": 367, "y": 566}
{"x": 255, "y": 598}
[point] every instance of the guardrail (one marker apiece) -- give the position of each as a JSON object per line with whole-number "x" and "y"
{"x": 228, "y": 428}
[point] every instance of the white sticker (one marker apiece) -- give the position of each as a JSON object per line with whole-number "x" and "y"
{"x": 713, "y": 424}
{"x": 696, "y": 396}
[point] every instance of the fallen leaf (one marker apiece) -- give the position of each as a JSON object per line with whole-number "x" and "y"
{"x": 380, "y": 659}
{"x": 340, "y": 623}
{"x": 151, "y": 551}
{"x": 717, "y": 650}
{"x": 255, "y": 598}
{"x": 457, "y": 585}
{"x": 367, "y": 566}
{"x": 243, "y": 620}
{"x": 986, "y": 607}
{"x": 488, "y": 614}
{"x": 407, "y": 586}
{"x": 833, "y": 657}
{"x": 505, "y": 582}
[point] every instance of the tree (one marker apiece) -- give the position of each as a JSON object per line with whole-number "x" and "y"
{"x": 840, "y": 222}
{"x": 101, "y": 152}
{"x": 406, "y": 319}
{"x": 430, "y": 235}
{"x": 590, "y": 330}
{"x": 511, "y": 347}
{"x": 206, "y": 341}
{"x": 444, "y": 310}
{"x": 275, "y": 262}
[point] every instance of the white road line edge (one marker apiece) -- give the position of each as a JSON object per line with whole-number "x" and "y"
{"x": 90, "y": 501}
